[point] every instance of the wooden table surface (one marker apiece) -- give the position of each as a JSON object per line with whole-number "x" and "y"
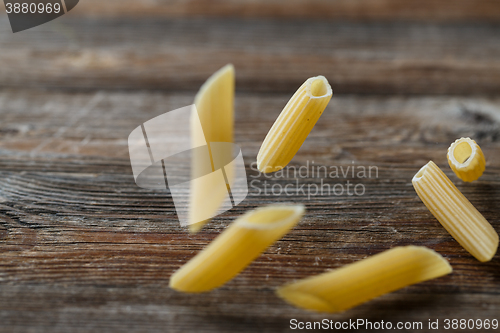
{"x": 83, "y": 249}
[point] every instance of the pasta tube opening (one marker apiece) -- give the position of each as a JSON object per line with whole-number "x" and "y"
{"x": 420, "y": 173}
{"x": 466, "y": 159}
{"x": 294, "y": 124}
{"x": 319, "y": 87}
{"x": 462, "y": 152}
{"x": 270, "y": 217}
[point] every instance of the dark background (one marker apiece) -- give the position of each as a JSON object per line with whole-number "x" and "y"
{"x": 83, "y": 249}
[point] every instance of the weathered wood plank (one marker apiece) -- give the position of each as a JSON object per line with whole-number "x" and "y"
{"x": 82, "y": 248}
{"x": 98, "y": 124}
{"x": 270, "y": 56}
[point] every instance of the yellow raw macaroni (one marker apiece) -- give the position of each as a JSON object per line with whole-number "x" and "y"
{"x": 351, "y": 285}
{"x": 215, "y": 105}
{"x": 457, "y": 215}
{"x": 234, "y": 249}
{"x": 294, "y": 124}
{"x": 466, "y": 159}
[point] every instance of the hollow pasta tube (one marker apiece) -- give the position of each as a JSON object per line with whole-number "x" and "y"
{"x": 294, "y": 124}
{"x": 215, "y": 106}
{"x": 466, "y": 159}
{"x": 234, "y": 249}
{"x": 356, "y": 283}
{"x": 455, "y": 213}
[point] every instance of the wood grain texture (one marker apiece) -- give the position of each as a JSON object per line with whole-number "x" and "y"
{"x": 269, "y": 55}
{"x": 83, "y": 249}
{"x": 362, "y": 10}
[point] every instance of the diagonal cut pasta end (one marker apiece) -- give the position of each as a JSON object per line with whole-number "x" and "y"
{"x": 455, "y": 213}
{"x": 304, "y": 300}
{"x": 243, "y": 241}
{"x": 195, "y": 227}
{"x": 353, "y": 284}
{"x": 294, "y": 124}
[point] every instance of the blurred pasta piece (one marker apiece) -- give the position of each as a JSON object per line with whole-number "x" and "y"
{"x": 215, "y": 105}
{"x": 243, "y": 241}
{"x": 356, "y": 283}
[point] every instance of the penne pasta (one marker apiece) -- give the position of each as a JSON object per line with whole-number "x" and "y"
{"x": 353, "y": 284}
{"x": 466, "y": 159}
{"x": 457, "y": 215}
{"x": 234, "y": 249}
{"x": 215, "y": 105}
{"x": 293, "y": 125}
